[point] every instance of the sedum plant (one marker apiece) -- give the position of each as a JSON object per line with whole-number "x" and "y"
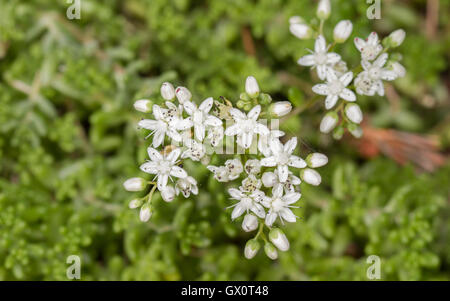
{"x": 342, "y": 84}
{"x": 265, "y": 167}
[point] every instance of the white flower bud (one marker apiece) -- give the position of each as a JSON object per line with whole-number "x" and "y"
{"x": 355, "y": 130}
{"x": 328, "y": 122}
{"x": 300, "y": 30}
{"x": 310, "y": 176}
{"x": 168, "y": 194}
{"x": 271, "y": 251}
{"x": 183, "y": 94}
{"x": 342, "y": 31}
{"x": 145, "y": 213}
{"x": 323, "y": 9}
{"x": 167, "y": 91}
{"x": 269, "y": 179}
{"x": 398, "y": 69}
{"x": 397, "y": 37}
{"x": 250, "y": 223}
{"x": 251, "y": 86}
{"x": 135, "y": 203}
{"x": 278, "y": 238}
{"x": 315, "y": 160}
{"x": 296, "y": 20}
{"x": 353, "y": 112}
{"x": 143, "y": 105}
{"x": 251, "y": 248}
{"x": 135, "y": 184}
{"x": 281, "y": 108}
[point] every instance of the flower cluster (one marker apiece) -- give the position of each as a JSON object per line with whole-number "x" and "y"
{"x": 341, "y": 83}
{"x": 269, "y": 187}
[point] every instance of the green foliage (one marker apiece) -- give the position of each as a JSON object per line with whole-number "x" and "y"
{"x": 68, "y": 140}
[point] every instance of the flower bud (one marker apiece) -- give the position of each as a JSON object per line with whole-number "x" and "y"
{"x": 251, "y": 248}
{"x": 296, "y": 20}
{"x": 251, "y": 86}
{"x": 250, "y": 223}
{"x": 328, "y": 122}
{"x": 281, "y": 108}
{"x": 183, "y": 94}
{"x": 355, "y": 130}
{"x": 168, "y": 194}
{"x": 353, "y": 112}
{"x": 300, "y": 30}
{"x": 167, "y": 91}
{"x": 310, "y": 176}
{"x": 135, "y": 184}
{"x": 269, "y": 179}
{"x": 338, "y": 132}
{"x": 145, "y": 213}
{"x": 135, "y": 203}
{"x": 315, "y": 160}
{"x": 342, "y": 31}
{"x": 278, "y": 238}
{"x": 323, "y": 9}
{"x": 397, "y": 37}
{"x": 398, "y": 69}
{"x": 271, "y": 251}
{"x": 143, "y": 105}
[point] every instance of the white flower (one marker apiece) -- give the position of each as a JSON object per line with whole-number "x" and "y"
{"x": 374, "y": 73}
{"x": 271, "y": 179}
{"x": 186, "y": 186}
{"x": 183, "y": 94}
{"x": 167, "y": 91}
{"x": 342, "y": 31}
{"x": 250, "y": 184}
{"x": 271, "y": 251}
{"x": 143, "y": 105}
{"x": 252, "y": 166}
{"x": 145, "y": 213}
{"x": 300, "y": 30}
{"x": 263, "y": 141}
{"x": 250, "y": 223}
{"x": 135, "y": 184}
{"x": 323, "y": 9}
{"x": 215, "y": 135}
{"x": 234, "y": 168}
{"x": 329, "y": 122}
{"x": 251, "y": 86}
{"x": 245, "y": 205}
{"x": 168, "y": 122}
{"x": 282, "y": 158}
{"x": 281, "y": 108}
{"x": 246, "y": 125}
{"x": 195, "y": 150}
{"x": 310, "y": 176}
{"x": 370, "y": 48}
{"x": 335, "y": 88}
{"x": 353, "y": 112}
{"x": 320, "y": 58}
{"x": 221, "y": 173}
{"x": 397, "y": 37}
{"x": 279, "y": 239}
{"x": 315, "y": 160}
{"x": 163, "y": 166}
{"x": 168, "y": 194}
{"x": 200, "y": 117}
{"x": 279, "y": 206}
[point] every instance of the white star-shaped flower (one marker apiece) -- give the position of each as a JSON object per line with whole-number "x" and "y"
{"x": 369, "y": 48}
{"x": 271, "y": 179}
{"x": 246, "y": 203}
{"x": 195, "y": 150}
{"x": 200, "y": 117}
{"x": 335, "y": 87}
{"x": 320, "y": 58}
{"x": 279, "y": 206}
{"x": 282, "y": 158}
{"x": 370, "y": 80}
{"x": 245, "y": 126}
{"x": 163, "y": 166}
{"x": 168, "y": 122}
{"x": 186, "y": 186}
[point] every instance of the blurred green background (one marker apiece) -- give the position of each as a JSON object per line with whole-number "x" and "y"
{"x": 68, "y": 140}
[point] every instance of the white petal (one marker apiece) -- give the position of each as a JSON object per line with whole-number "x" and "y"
{"x": 307, "y": 60}
{"x": 158, "y": 138}
{"x": 247, "y": 139}
{"x": 237, "y": 114}
{"x": 330, "y": 101}
{"x": 333, "y": 58}
{"x": 258, "y": 210}
{"x": 269, "y": 161}
{"x": 283, "y": 173}
{"x": 261, "y": 129}
{"x": 291, "y": 198}
{"x": 388, "y": 75}
{"x": 297, "y": 162}
{"x": 237, "y": 211}
{"x": 320, "y": 44}
{"x": 199, "y": 132}
{"x": 346, "y": 78}
{"x": 174, "y": 135}
{"x": 321, "y": 89}
{"x": 173, "y": 155}
{"x": 233, "y": 130}
{"x": 290, "y": 145}
{"x": 206, "y": 105}
{"x": 277, "y": 191}
{"x": 157, "y": 112}
{"x": 276, "y": 146}
{"x": 213, "y": 121}
{"x": 148, "y": 124}
{"x": 162, "y": 181}
{"x": 348, "y": 95}
{"x": 235, "y": 193}
{"x": 381, "y": 60}
{"x": 270, "y": 218}
{"x": 254, "y": 113}
{"x": 178, "y": 172}
{"x": 373, "y": 38}
{"x": 189, "y": 107}
{"x": 322, "y": 71}
{"x": 331, "y": 75}
{"x": 154, "y": 154}
{"x": 360, "y": 43}
{"x": 379, "y": 88}
{"x": 149, "y": 167}
{"x": 287, "y": 215}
